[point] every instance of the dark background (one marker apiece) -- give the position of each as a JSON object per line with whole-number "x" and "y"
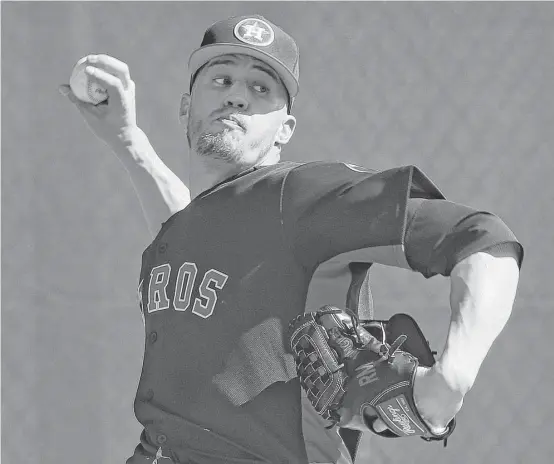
{"x": 462, "y": 90}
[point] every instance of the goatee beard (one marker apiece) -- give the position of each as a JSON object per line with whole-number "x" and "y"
{"x": 217, "y": 146}
{"x": 221, "y": 146}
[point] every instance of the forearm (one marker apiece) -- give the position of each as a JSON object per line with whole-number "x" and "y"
{"x": 483, "y": 289}
{"x": 161, "y": 193}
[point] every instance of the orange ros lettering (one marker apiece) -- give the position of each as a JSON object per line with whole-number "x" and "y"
{"x": 185, "y": 281}
{"x": 185, "y": 278}
{"x": 212, "y": 277}
{"x": 157, "y": 288}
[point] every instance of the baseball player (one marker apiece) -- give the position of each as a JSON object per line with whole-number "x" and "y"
{"x": 255, "y": 240}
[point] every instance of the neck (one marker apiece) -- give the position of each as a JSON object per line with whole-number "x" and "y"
{"x": 204, "y": 172}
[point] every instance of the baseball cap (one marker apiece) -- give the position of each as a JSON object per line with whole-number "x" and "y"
{"x": 255, "y": 36}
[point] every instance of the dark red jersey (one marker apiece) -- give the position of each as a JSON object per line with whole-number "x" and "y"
{"x": 224, "y": 276}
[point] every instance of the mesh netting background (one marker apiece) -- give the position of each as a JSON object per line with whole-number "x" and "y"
{"x": 462, "y": 90}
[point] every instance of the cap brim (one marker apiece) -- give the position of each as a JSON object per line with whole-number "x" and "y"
{"x": 204, "y": 54}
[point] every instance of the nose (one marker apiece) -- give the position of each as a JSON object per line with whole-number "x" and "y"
{"x": 236, "y": 98}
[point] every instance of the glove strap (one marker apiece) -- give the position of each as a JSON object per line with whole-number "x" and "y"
{"x": 404, "y": 420}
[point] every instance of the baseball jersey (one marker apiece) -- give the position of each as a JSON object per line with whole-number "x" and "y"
{"x": 225, "y": 275}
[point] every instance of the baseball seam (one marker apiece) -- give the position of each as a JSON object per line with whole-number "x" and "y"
{"x": 91, "y": 93}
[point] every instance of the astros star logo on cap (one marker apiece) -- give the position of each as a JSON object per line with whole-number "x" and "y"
{"x": 254, "y": 32}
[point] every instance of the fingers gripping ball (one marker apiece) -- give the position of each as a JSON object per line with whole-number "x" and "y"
{"x": 84, "y": 88}
{"x": 356, "y": 371}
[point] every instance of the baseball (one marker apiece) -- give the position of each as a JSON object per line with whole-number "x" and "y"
{"x": 83, "y": 88}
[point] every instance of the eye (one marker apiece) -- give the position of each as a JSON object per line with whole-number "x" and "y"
{"x": 223, "y": 81}
{"x": 260, "y": 88}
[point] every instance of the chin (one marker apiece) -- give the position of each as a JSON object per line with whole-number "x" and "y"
{"x": 222, "y": 145}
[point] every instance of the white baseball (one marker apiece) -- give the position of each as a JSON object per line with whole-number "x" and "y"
{"x": 83, "y": 88}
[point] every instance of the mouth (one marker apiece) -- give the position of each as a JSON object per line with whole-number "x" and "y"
{"x": 231, "y": 121}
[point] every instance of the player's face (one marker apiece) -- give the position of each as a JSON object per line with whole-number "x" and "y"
{"x": 238, "y": 110}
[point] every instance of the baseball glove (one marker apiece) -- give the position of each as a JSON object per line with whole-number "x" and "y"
{"x": 355, "y": 371}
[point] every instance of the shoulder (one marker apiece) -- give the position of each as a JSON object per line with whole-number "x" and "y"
{"x": 409, "y": 178}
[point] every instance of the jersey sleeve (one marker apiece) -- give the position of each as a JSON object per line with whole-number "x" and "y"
{"x": 395, "y": 217}
{"x": 441, "y": 233}
{"x": 331, "y": 208}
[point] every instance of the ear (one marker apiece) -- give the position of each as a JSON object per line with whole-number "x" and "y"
{"x": 287, "y": 129}
{"x": 184, "y": 109}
